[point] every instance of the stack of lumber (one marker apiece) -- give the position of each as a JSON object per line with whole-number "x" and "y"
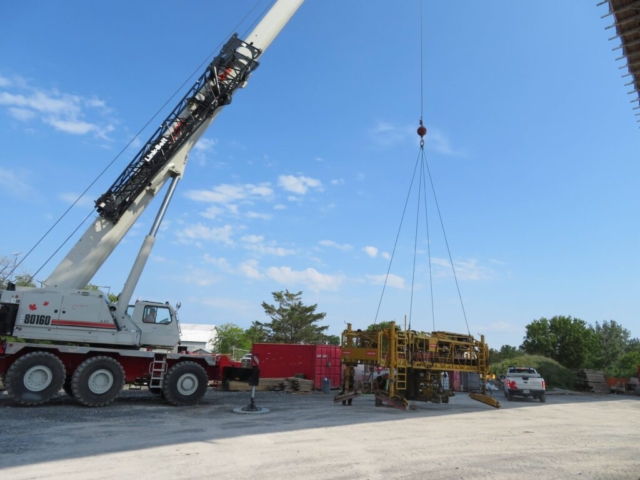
{"x": 592, "y": 381}
{"x": 297, "y": 385}
{"x": 288, "y": 385}
{"x": 234, "y": 386}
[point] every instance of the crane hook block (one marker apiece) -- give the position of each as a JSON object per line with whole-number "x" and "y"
{"x": 422, "y": 130}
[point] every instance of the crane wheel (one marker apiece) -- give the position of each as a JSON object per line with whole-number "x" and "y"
{"x": 185, "y": 384}
{"x": 34, "y": 378}
{"x": 97, "y": 381}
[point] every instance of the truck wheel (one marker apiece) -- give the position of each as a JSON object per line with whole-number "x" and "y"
{"x": 509, "y": 396}
{"x": 543, "y": 398}
{"x": 185, "y": 384}
{"x": 34, "y": 378}
{"x": 97, "y": 381}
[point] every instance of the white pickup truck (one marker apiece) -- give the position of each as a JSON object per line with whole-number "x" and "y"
{"x": 524, "y": 382}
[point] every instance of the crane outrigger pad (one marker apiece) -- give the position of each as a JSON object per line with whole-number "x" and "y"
{"x": 395, "y": 402}
{"x": 345, "y": 396}
{"x": 486, "y": 399}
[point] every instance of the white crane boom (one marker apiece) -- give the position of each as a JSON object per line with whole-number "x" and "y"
{"x": 164, "y": 157}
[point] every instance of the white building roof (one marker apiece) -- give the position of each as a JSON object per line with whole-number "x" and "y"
{"x": 192, "y": 332}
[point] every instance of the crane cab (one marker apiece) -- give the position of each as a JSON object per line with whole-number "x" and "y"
{"x": 158, "y": 323}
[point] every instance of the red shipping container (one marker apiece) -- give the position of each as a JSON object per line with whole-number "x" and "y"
{"x": 316, "y": 362}
{"x": 328, "y": 365}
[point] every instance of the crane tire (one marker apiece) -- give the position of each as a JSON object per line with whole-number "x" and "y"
{"x": 185, "y": 384}
{"x": 97, "y": 381}
{"x": 35, "y": 378}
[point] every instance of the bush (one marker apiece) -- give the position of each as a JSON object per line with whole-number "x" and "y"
{"x": 554, "y": 374}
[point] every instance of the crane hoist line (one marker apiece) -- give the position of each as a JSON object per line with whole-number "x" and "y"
{"x": 214, "y": 89}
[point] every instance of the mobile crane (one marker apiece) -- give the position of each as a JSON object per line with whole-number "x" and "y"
{"x": 97, "y": 346}
{"x": 415, "y": 362}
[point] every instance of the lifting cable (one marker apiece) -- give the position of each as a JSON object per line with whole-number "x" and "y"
{"x": 422, "y": 194}
{"x": 198, "y": 69}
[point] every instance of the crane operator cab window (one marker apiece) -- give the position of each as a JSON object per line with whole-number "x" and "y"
{"x": 157, "y": 315}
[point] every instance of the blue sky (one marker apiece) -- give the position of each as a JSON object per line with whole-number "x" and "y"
{"x": 300, "y": 183}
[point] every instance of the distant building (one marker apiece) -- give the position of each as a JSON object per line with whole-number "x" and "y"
{"x": 197, "y": 337}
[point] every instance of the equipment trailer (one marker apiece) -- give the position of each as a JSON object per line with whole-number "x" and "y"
{"x": 93, "y": 347}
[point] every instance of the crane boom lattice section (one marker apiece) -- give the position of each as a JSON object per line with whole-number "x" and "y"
{"x": 228, "y": 71}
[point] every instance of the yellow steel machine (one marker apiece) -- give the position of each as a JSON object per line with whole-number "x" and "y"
{"x": 413, "y": 364}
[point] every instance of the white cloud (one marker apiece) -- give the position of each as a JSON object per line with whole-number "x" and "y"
{"x": 13, "y": 183}
{"x": 269, "y": 249}
{"x": 221, "y": 262}
{"x": 387, "y": 134}
{"x": 279, "y": 206}
{"x": 85, "y": 201}
{"x": 299, "y": 185}
{"x": 212, "y": 212}
{"x": 337, "y": 181}
{"x": 4, "y": 82}
{"x": 75, "y": 127}
{"x": 385, "y": 255}
{"x": 262, "y": 216}
{"x": 465, "y": 270}
{"x": 437, "y": 141}
{"x": 205, "y": 144}
{"x": 392, "y": 280}
{"x": 331, "y": 243}
{"x": 21, "y": 114}
{"x": 200, "y": 277}
{"x": 250, "y": 270}
{"x": 198, "y": 232}
{"x": 231, "y": 193}
{"x": 371, "y": 251}
{"x": 310, "y": 278}
{"x": 252, "y": 238}
{"x": 64, "y": 112}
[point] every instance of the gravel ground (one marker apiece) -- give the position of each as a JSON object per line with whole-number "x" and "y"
{"x": 307, "y": 436}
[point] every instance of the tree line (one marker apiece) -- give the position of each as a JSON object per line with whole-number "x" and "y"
{"x": 576, "y": 344}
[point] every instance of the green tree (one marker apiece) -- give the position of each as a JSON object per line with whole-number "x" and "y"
{"x": 257, "y": 333}
{"x": 229, "y": 337}
{"x": 331, "y": 340}
{"x": 375, "y": 327}
{"x": 569, "y": 341}
{"x": 7, "y": 273}
{"x": 612, "y": 342}
{"x": 628, "y": 365}
{"x": 292, "y": 321}
{"x": 507, "y": 351}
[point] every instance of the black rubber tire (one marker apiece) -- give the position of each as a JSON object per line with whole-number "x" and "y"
{"x": 344, "y": 402}
{"x": 543, "y": 398}
{"x": 66, "y": 386}
{"x": 509, "y": 396}
{"x": 350, "y": 401}
{"x": 15, "y": 378}
{"x": 185, "y": 375}
{"x": 93, "y": 397}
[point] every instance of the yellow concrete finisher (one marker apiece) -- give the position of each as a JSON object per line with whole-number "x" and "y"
{"x": 413, "y": 364}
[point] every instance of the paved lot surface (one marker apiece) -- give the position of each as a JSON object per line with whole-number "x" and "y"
{"x": 307, "y": 436}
